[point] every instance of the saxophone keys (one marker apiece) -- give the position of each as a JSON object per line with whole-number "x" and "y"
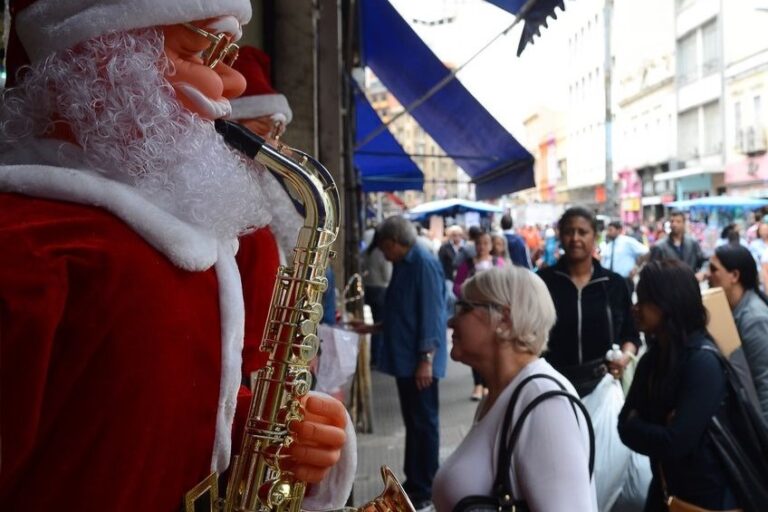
{"x": 308, "y": 327}
{"x": 299, "y": 381}
{"x": 274, "y": 494}
{"x": 307, "y": 349}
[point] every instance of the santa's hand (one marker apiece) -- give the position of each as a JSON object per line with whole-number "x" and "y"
{"x": 318, "y": 439}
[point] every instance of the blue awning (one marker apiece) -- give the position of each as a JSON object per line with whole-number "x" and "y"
{"x": 451, "y": 207}
{"x": 460, "y": 125}
{"x": 713, "y": 202}
{"x": 382, "y": 162}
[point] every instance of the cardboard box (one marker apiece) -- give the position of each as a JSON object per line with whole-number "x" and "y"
{"x": 721, "y": 325}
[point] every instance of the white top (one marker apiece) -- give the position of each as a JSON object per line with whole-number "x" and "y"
{"x": 550, "y": 462}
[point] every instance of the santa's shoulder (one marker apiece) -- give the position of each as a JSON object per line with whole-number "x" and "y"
{"x": 42, "y": 232}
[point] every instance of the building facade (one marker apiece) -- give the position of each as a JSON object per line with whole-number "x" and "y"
{"x": 746, "y": 92}
{"x": 644, "y": 94}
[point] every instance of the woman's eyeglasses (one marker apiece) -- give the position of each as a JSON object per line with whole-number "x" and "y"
{"x": 222, "y": 49}
{"x": 465, "y": 306}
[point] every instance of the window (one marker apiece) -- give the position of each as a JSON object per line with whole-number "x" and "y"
{"x": 710, "y": 48}
{"x": 713, "y": 134}
{"x": 757, "y": 107}
{"x": 737, "y": 123}
{"x": 688, "y": 134}
{"x": 686, "y": 59}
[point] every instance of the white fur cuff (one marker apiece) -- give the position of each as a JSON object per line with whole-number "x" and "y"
{"x": 51, "y": 25}
{"x": 252, "y": 107}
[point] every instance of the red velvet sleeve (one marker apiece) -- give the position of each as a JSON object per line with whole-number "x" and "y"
{"x": 258, "y": 260}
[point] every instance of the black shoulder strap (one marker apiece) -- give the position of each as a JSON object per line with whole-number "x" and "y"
{"x": 502, "y": 483}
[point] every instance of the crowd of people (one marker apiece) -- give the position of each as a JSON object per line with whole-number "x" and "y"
{"x": 568, "y": 321}
{"x": 140, "y": 249}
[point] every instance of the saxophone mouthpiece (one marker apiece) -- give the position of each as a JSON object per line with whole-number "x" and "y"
{"x": 240, "y": 137}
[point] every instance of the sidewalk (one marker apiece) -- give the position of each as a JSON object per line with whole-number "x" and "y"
{"x": 386, "y": 444}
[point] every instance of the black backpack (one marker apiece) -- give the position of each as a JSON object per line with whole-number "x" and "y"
{"x": 741, "y": 441}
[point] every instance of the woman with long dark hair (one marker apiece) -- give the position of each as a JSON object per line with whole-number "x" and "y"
{"x": 732, "y": 268}
{"x": 678, "y": 386}
{"x": 594, "y": 310}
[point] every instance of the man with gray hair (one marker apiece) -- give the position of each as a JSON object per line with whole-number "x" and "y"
{"x": 414, "y": 350}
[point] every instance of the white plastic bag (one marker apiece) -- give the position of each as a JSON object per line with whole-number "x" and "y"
{"x": 338, "y": 359}
{"x": 635, "y": 490}
{"x": 611, "y": 456}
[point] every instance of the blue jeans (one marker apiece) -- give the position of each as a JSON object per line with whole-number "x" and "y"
{"x": 422, "y": 437}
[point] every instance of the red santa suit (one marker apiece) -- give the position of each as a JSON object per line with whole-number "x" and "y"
{"x": 115, "y": 324}
{"x": 125, "y": 332}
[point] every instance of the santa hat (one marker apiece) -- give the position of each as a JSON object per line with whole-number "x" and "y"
{"x": 259, "y": 98}
{"x": 46, "y": 26}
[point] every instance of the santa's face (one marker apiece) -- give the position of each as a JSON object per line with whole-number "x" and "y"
{"x": 203, "y": 90}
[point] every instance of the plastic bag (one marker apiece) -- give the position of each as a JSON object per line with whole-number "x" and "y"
{"x": 635, "y": 490}
{"x": 338, "y": 360}
{"x": 611, "y": 456}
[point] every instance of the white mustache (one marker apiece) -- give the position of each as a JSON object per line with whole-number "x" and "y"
{"x": 212, "y": 109}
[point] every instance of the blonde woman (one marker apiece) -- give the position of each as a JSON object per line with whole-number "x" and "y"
{"x": 500, "y": 329}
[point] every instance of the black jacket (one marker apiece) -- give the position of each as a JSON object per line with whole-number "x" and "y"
{"x": 689, "y": 252}
{"x": 447, "y": 255}
{"x": 589, "y": 320}
{"x": 694, "y": 388}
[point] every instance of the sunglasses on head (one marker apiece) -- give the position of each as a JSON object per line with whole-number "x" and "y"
{"x": 222, "y": 48}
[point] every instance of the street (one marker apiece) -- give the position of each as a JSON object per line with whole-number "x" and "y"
{"x": 386, "y": 445}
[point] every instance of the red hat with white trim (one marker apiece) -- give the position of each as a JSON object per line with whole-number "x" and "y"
{"x": 46, "y": 26}
{"x": 259, "y": 98}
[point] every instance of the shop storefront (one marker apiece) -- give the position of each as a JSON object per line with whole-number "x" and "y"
{"x": 748, "y": 177}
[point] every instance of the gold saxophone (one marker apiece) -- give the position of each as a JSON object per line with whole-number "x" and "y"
{"x": 256, "y": 481}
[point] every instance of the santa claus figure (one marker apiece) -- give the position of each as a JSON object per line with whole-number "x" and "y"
{"x": 137, "y": 262}
{"x": 260, "y": 108}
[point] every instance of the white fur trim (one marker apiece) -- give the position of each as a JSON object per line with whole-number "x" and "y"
{"x": 252, "y": 107}
{"x": 187, "y": 246}
{"x": 232, "y": 334}
{"x": 51, "y": 25}
{"x": 332, "y": 492}
{"x": 227, "y": 25}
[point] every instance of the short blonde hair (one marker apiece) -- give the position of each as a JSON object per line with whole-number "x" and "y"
{"x": 531, "y": 310}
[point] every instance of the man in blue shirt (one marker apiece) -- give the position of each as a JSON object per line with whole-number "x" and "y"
{"x": 414, "y": 349}
{"x": 516, "y": 248}
{"x": 620, "y": 253}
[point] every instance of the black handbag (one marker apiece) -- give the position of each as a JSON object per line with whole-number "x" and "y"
{"x": 741, "y": 441}
{"x": 502, "y": 499}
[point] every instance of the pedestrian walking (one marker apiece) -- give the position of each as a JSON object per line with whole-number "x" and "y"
{"x": 500, "y": 328}
{"x": 517, "y": 247}
{"x": 733, "y": 269}
{"x": 680, "y": 245}
{"x": 414, "y": 349}
{"x": 621, "y": 253}
{"x": 594, "y": 310}
{"x": 678, "y": 386}
{"x": 483, "y": 260}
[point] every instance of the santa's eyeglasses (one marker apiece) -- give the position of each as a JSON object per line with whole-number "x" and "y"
{"x": 222, "y": 49}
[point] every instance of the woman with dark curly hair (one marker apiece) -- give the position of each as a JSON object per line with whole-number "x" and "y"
{"x": 678, "y": 386}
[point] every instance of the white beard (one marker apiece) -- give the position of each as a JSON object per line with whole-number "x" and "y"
{"x": 124, "y": 114}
